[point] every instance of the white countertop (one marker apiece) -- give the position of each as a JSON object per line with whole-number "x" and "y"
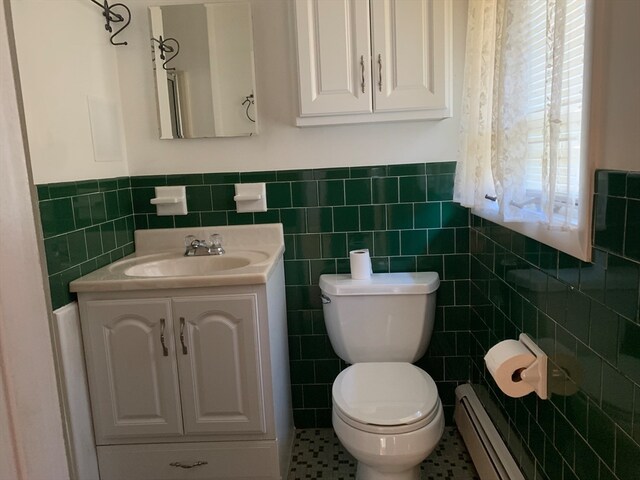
{"x": 263, "y": 245}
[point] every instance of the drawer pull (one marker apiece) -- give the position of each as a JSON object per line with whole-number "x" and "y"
{"x": 165, "y": 350}
{"x": 184, "y": 346}
{"x": 193, "y": 465}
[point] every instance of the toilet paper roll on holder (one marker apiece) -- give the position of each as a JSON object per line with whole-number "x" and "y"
{"x": 536, "y": 373}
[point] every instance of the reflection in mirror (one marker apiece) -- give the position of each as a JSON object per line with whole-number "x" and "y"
{"x": 204, "y": 71}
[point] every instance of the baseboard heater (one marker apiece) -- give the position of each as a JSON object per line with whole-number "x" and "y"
{"x": 490, "y": 455}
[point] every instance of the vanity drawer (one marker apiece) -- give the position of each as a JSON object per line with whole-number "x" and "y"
{"x": 225, "y": 460}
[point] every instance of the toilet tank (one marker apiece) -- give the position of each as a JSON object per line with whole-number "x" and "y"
{"x": 386, "y": 318}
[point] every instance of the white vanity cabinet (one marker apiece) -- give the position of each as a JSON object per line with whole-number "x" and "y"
{"x": 373, "y": 60}
{"x": 189, "y": 383}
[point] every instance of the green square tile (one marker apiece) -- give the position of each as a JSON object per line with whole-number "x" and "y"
{"x": 368, "y": 172}
{"x": 586, "y": 464}
{"x": 330, "y": 173}
{"x": 441, "y": 241}
{"x": 185, "y": 179}
{"x": 564, "y": 438}
{"x": 294, "y": 175}
{"x": 56, "y": 216}
{"x": 235, "y": 218}
{"x": 57, "y": 253}
{"x": 431, "y": 263}
{"x": 632, "y": 231}
{"x": 439, "y": 168}
{"x": 334, "y": 245}
{"x": 141, "y": 222}
{"x": 108, "y": 234}
{"x": 456, "y": 267}
{"x": 279, "y": 195}
{"x": 116, "y": 254}
{"x": 609, "y": 212}
{"x": 623, "y": 299}
{"x": 61, "y": 190}
{"x": 125, "y": 204}
{"x": 617, "y": 396}
{"x": 552, "y": 461}
{"x": 199, "y": 198}
{"x": 380, "y": 264}
{"x": 373, "y": 217}
{"x": 304, "y": 194}
{"x": 413, "y": 189}
{"x": 358, "y": 191}
{"x": 188, "y": 220}
{"x": 122, "y": 232}
{"x": 454, "y": 215}
{"x": 331, "y": 192}
{"x": 296, "y": 272}
{"x": 384, "y": 190}
{"x": 149, "y": 181}
{"x": 299, "y": 323}
{"x": 462, "y": 240}
{"x": 627, "y": 454}
{"x": 77, "y": 247}
{"x": 302, "y": 372}
{"x": 293, "y": 220}
{"x": 257, "y": 177}
{"x": 43, "y": 192}
{"x": 212, "y": 219}
{"x": 601, "y": 434}
{"x": 222, "y": 197}
{"x": 156, "y": 221}
{"x": 107, "y": 184}
{"x": 124, "y": 183}
{"x": 221, "y": 178}
{"x": 439, "y": 187}
{"x": 406, "y": 170}
{"x": 94, "y": 242}
{"x": 633, "y": 184}
{"x": 427, "y": 215}
{"x": 402, "y": 264}
{"x": 456, "y": 368}
{"x": 413, "y": 242}
{"x": 111, "y": 205}
{"x": 628, "y": 351}
{"x": 636, "y": 415}
{"x": 320, "y": 267}
{"x": 360, "y": 240}
{"x": 81, "y": 211}
{"x": 60, "y": 296}
{"x": 346, "y": 219}
{"x": 316, "y": 396}
{"x": 327, "y": 370}
{"x": 319, "y": 220}
{"x": 304, "y": 418}
{"x": 308, "y": 246}
{"x": 400, "y": 216}
{"x": 611, "y": 182}
{"x": 141, "y": 198}
{"x": 316, "y": 347}
{"x": 270, "y": 216}
{"x": 289, "y": 247}
{"x": 88, "y": 267}
{"x": 85, "y": 187}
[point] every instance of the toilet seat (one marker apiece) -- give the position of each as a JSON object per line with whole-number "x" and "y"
{"x": 386, "y": 398}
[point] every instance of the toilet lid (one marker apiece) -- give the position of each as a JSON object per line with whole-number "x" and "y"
{"x": 385, "y": 393}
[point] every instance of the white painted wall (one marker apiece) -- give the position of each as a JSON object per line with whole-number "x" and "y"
{"x": 64, "y": 55}
{"x": 279, "y": 145}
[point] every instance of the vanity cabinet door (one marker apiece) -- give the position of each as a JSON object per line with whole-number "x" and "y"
{"x": 333, "y": 56}
{"x": 410, "y": 60}
{"x": 219, "y": 364}
{"x": 133, "y": 379}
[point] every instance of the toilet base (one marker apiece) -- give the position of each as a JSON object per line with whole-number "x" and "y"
{"x": 366, "y": 472}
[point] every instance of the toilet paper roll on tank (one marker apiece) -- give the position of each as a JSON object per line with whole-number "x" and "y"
{"x": 360, "y": 263}
{"x": 518, "y": 367}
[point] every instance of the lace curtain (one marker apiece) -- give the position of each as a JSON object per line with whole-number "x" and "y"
{"x": 521, "y": 110}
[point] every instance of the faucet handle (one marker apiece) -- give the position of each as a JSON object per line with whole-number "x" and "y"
{"x": 216, "y": 240}
{"x": 188, "y": 240}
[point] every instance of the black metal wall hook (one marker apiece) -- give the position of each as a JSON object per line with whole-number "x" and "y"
{"x": 164, "y": 47}
{"x": 112, "y": 16}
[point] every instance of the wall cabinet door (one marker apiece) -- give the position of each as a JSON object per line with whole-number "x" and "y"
{"x": 218, "y": 355}
{"x": 409, "y": 54}
{"x": 334, "y": 56}
{"x": 133, "y": 379}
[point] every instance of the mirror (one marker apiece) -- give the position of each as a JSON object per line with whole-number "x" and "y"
{"x": 204, "y": 70}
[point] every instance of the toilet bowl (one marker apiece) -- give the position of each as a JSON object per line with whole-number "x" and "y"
{"x": 388, "y": 416}
{"x": 386, "y": 411}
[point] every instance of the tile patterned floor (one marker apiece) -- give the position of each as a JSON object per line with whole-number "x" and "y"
{"x": 318, "y": 454}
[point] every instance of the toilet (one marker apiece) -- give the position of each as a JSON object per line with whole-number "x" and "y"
{"x": 386, "y": 411}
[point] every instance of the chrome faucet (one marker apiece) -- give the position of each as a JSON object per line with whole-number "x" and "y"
{"x": 196, "y": 247}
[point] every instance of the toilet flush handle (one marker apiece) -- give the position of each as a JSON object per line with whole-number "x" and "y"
{"x": 324, "y": 299}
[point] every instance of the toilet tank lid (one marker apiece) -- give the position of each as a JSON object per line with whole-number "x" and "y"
{"x": 412, "y": 283}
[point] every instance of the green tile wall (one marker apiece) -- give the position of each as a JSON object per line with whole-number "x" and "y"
{"x": 402, "y": 213}
{"x": 86, "y": 225}
{"x": 586, "y": 316}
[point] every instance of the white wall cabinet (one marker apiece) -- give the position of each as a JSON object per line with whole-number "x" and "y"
{"x": 365, "y": 61}
{"x": 185, "y": 378}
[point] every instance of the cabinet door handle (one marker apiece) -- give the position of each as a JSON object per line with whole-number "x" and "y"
{"x": 380, "y": 72}
{"x": 362, "y": 72}
{"x": 199, "y": 463}
{"x": 184, "y": 346}
{"x": 165, "y": 350}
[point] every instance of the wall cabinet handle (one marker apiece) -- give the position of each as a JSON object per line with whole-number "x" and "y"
{"x": 165, "y": 350}
{"x": 362, "y": 72}
{"x": 184, "y": 346}
{"x": 379, "y": 72}
{"x": 199, "y": 463}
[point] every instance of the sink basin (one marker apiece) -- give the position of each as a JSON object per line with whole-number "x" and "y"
{"x": 175, "y": 265}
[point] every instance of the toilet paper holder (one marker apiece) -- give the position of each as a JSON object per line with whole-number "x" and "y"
{"x": 536, "y": 373}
